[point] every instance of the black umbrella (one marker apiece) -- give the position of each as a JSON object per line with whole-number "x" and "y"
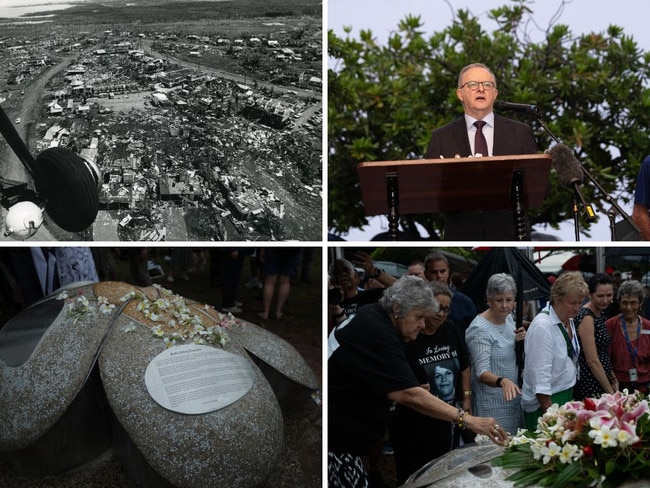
{"x": 506, "y": 260}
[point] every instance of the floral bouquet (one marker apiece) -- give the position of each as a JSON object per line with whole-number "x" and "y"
{"x": 597, "y": 442}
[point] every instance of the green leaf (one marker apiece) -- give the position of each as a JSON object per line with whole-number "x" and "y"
{"x": 593, "y": 88}
{"x": 566, "y": 474}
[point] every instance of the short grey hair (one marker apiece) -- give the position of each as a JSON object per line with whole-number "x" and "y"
{"x": 343, "y": 262}
{"x": 408, "y": 293}
{"x": 434, "y": 256}
{"x": 631, "y": 288}
{"x": 500, "y": 283}
{"x": 474, "y": 65}
{"x": 439, "y": 289}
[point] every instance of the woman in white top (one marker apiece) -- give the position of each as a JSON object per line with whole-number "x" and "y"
{"x": 491, "y": 342}
{"x": 551, "y": 349}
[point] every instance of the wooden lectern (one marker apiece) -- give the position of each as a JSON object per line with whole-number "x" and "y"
{"x": 453, "y": 185}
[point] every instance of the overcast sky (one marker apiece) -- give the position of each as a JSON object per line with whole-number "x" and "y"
{"x": 582, "y": 16}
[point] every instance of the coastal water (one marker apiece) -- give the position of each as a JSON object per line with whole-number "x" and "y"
{"x": 17, "y": 8}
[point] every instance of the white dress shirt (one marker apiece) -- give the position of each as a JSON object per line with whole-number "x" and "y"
{"x": 548, "y": 369}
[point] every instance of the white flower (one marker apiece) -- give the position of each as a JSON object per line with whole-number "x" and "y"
{"x": 161, "y": 303}
{"x": 604, "y": 436}
{"x": 569, "y": 453}
{"x": 154, "y": 317}
{"x": 536, "y": 449}
{"x": 130, "y": 328}
{"x": 62, "y": 296}
{"x": 549, "y": 452}
{"x": 624, "y": 438}
{"x": 128, "y": 296}
{"x": 106, "y": 307}
{"x": 157, "y": 331}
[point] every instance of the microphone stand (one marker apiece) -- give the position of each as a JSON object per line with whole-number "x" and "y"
{"x": 576, "y": 219}
{"x": 588, "y": 211}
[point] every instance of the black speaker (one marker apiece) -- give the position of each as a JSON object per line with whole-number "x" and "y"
{"x": 625, "y": 232}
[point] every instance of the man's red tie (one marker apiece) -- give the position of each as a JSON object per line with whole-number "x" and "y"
{"x": 480, "y": 144}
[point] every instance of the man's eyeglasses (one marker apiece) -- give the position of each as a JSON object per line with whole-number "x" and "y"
{"x": 443, "y": 311}
{"x": 473, "y": 85}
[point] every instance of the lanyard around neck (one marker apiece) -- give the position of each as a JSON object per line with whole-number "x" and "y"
{"x": 634, "y": 351}
{"x": 569, "y": 346}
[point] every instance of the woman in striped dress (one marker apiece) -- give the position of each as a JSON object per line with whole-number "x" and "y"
{"x": 491, "y": 341}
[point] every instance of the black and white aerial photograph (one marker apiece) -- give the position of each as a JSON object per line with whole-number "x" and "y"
{"x": 161, "y": 120}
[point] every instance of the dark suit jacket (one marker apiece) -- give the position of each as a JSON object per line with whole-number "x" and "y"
{"x": 510, "y": 137}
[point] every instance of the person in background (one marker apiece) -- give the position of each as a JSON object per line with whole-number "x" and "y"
{"x": 551, "y": 349}
{"x": 640, "y": 211}
{"x": 232, "y": 261}
{"x": 612, "y": 309}
{"x": 368, "y": 371}
{"x": 182, "y": 259}
{"x": 279, "y": 264}
{"x": 306, "y": 259}
{"x": 491, "y": 341}
{"x": 378, "y": 276}
{"x": 138, "y": 265}
{"x": 479, "y": 132}
{"x": 256, "y": 267}
{"x": 596, "y": 376}
{"x": 439, "y": 359}
{"x": 416, "y": 268}
{"x": 463, "y": 310}
{"x": 630, "y": 344}
{"x": 344, "y": 296}
{"x": 106, "y": 262}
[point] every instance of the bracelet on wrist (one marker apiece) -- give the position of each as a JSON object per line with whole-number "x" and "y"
{"x": 461, "y": 420}
{"x": 467, "y": 392}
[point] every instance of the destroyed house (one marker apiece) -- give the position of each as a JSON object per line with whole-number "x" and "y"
{"x": 265, "y": 117}
{"x": 174, "y": 188}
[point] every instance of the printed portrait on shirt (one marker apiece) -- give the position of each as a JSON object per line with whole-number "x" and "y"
{"x": 442, "y": 376}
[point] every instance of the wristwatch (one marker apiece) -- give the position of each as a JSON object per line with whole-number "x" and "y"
{"x": 498, "y": 381}
{"x": 378, "y": 271}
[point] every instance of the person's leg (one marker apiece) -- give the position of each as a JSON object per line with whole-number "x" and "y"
{"x": 307, "y": 260}
{"x": 231, "y": 265}
{"x": 267, "y": 294}
{"x": 284, "y": 286}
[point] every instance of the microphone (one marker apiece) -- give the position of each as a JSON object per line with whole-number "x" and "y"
{"x": 517, "y": 107}
{"x": 569, "y": 172}
{"x": 567, "y": 167}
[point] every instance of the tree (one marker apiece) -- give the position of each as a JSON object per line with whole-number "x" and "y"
{"x": 385, "y": 100}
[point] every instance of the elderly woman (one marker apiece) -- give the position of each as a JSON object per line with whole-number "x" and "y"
{"x": 441, "y": 364}
{"x": 491, "y": 341}
{"x": 551, "y": 348}
{"x": 596, "y": 375}
{"x": 368, "y": 372}
{"x": 630, "y": 345}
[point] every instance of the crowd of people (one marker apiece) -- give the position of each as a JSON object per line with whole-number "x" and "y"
{"x": 415, "y": 366}
{"x": 28, "y": 274}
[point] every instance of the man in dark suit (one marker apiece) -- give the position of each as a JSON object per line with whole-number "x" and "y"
{"x": 493, "y": 136}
